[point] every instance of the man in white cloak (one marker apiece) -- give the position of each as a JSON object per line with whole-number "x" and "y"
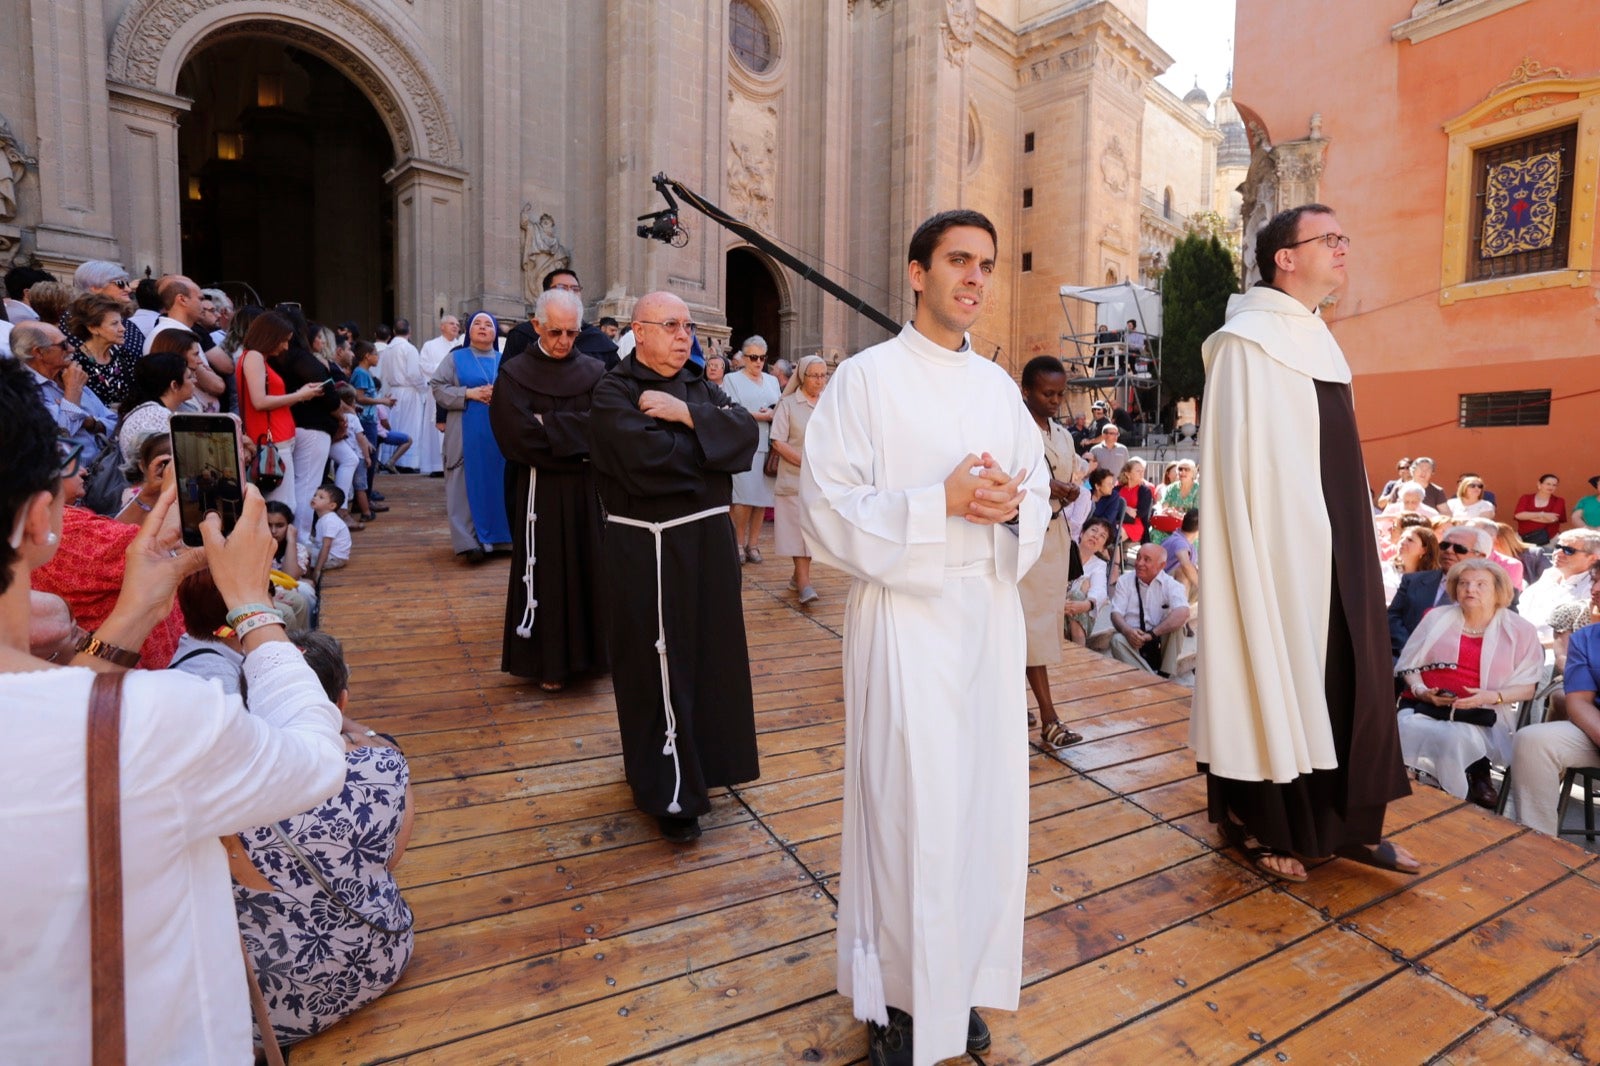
{"x": 408, "y": 385}
{"x": 924, "y": 479}
{"x": 1293, "y": 719}
{"x": 427, "y": 448}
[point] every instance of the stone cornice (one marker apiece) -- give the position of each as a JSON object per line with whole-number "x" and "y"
{"x": 1429, "y": 18}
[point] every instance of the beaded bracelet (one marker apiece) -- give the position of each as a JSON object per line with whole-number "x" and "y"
{"x": 255, "y": 622}
{"x": 238, "y": 614}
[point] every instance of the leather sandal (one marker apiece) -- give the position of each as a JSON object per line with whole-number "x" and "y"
{"x": 1055, "y": 735}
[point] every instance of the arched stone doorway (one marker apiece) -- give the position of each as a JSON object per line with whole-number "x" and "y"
{"x": 755, "y": 303}
{"x": 155, "y": 40}
{"x": 280, "y": 163}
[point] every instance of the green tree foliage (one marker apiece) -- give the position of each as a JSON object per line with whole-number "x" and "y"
{"x": 1200, "y": 277}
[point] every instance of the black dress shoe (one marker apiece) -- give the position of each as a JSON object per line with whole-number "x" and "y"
{"x": 890, "y": 1045}
{"x": 473, "y": 555}
{"x": 978, "y": 1039}
{"x": 437, "y": 473}
{"x": 679, "y": 830}
{"x": 1481, "y": 791}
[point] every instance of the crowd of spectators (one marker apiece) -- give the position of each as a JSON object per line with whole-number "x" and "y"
{"x": 260, "y": 775}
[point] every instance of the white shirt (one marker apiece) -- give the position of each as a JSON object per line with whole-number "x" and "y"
{"x": 331, "y": 525}
{"x": 5, "y": 340}
{"x": 163, "y": 322}
{"x": 1540, "y": 599}
{"x": 145, "y": 319}
{"x": 1160, "y": 598}
{"x": 19, "y": 312}
{"x": 195, "y": 765}
{"x": 433, "y": 354}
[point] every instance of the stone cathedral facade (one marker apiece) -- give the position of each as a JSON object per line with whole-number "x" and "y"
{"x": 373, "y": 158}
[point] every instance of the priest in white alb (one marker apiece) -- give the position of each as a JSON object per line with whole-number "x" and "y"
{"x": 1294, "y": 703}
{"x": 409, "y": 387}
{"x": 427, "y": 449}
{"x": 924, "y": 479}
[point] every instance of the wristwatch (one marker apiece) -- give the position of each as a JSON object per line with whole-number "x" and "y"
{"x": 100, "y": 649}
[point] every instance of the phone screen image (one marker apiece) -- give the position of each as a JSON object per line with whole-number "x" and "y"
{"x": 205, "y": 455}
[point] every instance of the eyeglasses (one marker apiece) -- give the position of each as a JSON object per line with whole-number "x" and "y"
{"x": 569, "y": 288}
{"x": 755, "y": 359}
{"x": 1458, "y": 549}
{"x": 1332, "y": 240}
{"x": 123, "y": 283}
{"x": 70, "y": 454}
{"x": 1567, "y": 549}
{"x": 557, "y": 334}
{"x": 671, "y": 325}
{"x": 58, "y": 346}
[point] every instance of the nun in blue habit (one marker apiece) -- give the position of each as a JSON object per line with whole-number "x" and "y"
{"x": 474, "y": 469}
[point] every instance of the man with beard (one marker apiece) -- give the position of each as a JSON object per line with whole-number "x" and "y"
{"x": 666, "y": 444}
{"x": 924, "y": 479}
{"x": 540, "y": 416}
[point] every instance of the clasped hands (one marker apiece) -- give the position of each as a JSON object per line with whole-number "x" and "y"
{"x": 1475, "y": 698}
{"x": 988, "y": 497}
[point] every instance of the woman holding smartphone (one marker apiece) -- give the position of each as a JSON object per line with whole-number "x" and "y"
{"x": 265, "y": 402}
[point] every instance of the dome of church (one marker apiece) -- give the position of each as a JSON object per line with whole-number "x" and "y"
{"x": 1197, "y": 98}
{"x": 1235, "y": 148}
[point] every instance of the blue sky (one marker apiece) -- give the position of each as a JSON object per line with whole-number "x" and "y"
{"x": 1198, "y": 34}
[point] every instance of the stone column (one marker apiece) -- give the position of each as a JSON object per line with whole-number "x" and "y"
{"x": 72, "y": 117}
{"x": 495, "y": 240}
{"x": 430, "y": 242}
{"x": 834, "y": 223}
{"x": 144, "y": 153}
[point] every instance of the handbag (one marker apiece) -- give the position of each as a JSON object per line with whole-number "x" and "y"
{"x": 1481, "y": 716}
{"x": 107, "y": 968}
{"x": 105, "y": 480}
{"x": 770, "y": 467}
{"x": 267, "y": 468}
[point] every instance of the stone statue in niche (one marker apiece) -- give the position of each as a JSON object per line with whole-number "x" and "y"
{"x": 542, "y": 251}
{"x": 16, "y": 163}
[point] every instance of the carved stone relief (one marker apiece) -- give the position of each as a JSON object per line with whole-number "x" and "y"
{"x": 542, "y": 251}
{"x": 752, "y": 161}
{"x": 358, "y": 38}
{"x": 14, "y": 164}
{"x": 959, "y": 28}
{"x": 1114, "y": 166}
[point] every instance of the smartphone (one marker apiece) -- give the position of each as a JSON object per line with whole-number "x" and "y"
{"x": 328, "y": 385}
{"x": 209, "y": 467}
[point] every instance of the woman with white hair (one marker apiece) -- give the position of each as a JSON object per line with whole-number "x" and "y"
{"x": 1466, "y": 666}
{"x": 789, "y": 441}
{"x": 1409, "y": 500}
{"x": 757, "y": 392}
{"x": 1177, "y": 498}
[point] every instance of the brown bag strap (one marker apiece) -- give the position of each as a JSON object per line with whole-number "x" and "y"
{"x": 258, "y": 1007}
{"x": 106, "y": 972}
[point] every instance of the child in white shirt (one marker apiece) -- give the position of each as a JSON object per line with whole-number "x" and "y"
{"x": 329, "y": 530}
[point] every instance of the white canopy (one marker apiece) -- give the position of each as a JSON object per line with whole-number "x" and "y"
{"x": 1115, "y": 304}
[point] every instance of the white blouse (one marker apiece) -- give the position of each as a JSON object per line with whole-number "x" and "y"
{"x": 195, "y": 765}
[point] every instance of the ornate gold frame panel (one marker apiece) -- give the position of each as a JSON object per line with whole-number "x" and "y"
{"x": 1533, "y": 101}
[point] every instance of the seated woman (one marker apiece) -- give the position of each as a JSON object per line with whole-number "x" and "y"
{"x": 1088, "y": 589}
{"x": 162, "y": 381}
{"x": 1467, "y": 665}
{"x": 1417, "y": 549}
{"x": 1468, "y": 501}
{"x": 1408, "y": 500}
{"x": 1136, "y": 493}
{"x": 319, "y": 908}
{"x": 1176, "y": 499}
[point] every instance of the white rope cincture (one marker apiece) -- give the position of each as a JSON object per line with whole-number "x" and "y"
{"x": 525, "y": 627}
{"x": 671, "y": 746}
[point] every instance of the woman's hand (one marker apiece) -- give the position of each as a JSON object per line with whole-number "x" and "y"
{"x": 1475, "y": 698}
{"x": 240, "y": 562}
{"x": 309, "y": 391}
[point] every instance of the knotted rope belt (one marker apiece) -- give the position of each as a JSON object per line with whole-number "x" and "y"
{"x": 656, "y": 529}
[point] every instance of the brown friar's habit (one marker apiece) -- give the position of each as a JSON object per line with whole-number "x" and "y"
{"x": 567, "y": 636}
{"x": 1294, "y": 714}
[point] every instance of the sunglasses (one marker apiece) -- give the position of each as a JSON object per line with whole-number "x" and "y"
{"x": 70, "y": 456}
{"x": 1567, "y": 549}
{"x": 1459, "y": 549}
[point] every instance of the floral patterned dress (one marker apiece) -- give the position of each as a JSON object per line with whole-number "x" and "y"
{"x": 318, "y": 958}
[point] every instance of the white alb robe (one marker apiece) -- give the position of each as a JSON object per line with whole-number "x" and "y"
{"x": 408, "y": 385}
{"x": 935, "y": 850}
{"x": 427, "y": 448}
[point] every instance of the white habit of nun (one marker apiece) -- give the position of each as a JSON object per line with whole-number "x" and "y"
{"x": 935, "y": 850}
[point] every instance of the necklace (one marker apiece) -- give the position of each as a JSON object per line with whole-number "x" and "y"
{"x": 1466, "y": 631}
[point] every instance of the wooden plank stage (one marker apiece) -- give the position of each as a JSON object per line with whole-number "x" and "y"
{"x": 555, "y": 926}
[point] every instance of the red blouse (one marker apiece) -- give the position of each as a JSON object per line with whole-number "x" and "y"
{"x": 87, "y": 573}
{"x": 257, "y": 424}
{"x": 1465, "y": 674}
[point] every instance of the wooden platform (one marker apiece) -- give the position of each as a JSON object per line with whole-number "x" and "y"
{"x": 556, "y": 927}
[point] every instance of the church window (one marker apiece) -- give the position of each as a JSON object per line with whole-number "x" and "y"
{"x": 1027, "y": 142}
{"x": 1027, "y": 197}
{"x": 1482, "y": 410}
{"x": 1166, "y": 203}
{"x": 1027, "y": 262}
{"x": 1522, "y": 205}
{"x": 750, "y": 36}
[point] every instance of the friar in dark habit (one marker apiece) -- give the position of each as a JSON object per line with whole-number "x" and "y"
{"x": 555, "y": 617}
{"x": 665, "y": 444}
